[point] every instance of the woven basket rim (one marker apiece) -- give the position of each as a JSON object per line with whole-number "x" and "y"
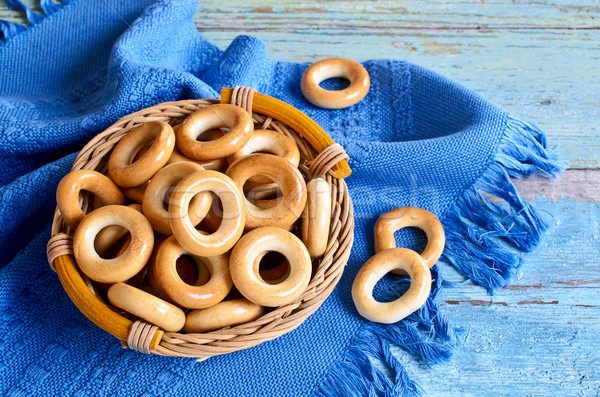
{"x": 274, "y": 323}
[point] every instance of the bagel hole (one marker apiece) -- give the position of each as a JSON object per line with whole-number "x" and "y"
{"x": 188, "y": 269}
{"x": 88, "y": 201}
{"x": 257, "y": 193}
{"x": 204, "y": 272}
{"x": 96, "y": 201}
{"x": 390, "y": 287}
{"x": 335, "y": 84}
{"x": 271, "y": 260}
{"x": 140, "y": 150}
{"x": 265, "y": 151}
{"x": 412, "y": 238}
{"x": 116, "y": 249}
{"x": 274, "y": 268}
{"x": 212, "y": 220}
{"x": 212, "y": 134}
{"x": 167, "y": 197}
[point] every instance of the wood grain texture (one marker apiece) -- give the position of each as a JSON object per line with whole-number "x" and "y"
{"x": 574, "y": 185}
{"x": 437, "y": 14}
{"x": 536, "y": 59}
{"x": 539, "y": 336}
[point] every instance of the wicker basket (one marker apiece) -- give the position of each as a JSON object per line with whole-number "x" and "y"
{"x": 320, "y": 156}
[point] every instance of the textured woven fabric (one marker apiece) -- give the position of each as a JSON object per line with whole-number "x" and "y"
{"x": 416, "y": 139}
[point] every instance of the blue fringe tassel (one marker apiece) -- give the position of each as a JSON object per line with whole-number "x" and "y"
{"x": 356, "y": 374}
{"x": 49, "y": 7}
{"x": 426, "y": 334}
{"x": 483, "y": 241}
{"x": 429, "y": 317}
{"x": 478, "y": 230}
{"x": 11, "y": 29}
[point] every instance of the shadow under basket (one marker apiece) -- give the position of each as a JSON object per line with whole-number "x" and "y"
{"x": 320, "y": 156}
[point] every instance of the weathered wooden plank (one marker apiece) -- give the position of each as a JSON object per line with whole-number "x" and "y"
{"x": 539, "y": 336}
{"x": 521, "y": 71}
{"x": 575, "y": 184}
{"x": 538, "y": 60}
{"x": 416, "y": 14}
{"x": 287, "y": 15}
{"x": 383, "y": 15}
{"x": 548, "y": 76}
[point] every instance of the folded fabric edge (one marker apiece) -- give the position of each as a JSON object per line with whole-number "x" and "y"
{"x": 490, "y": 224}
{"x": 10, "y": 30}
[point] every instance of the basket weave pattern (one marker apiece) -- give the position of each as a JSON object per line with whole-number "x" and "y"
{"x": 283, "y": 319}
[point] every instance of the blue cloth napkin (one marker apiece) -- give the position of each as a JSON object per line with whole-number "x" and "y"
{"x": 416, "y": 139}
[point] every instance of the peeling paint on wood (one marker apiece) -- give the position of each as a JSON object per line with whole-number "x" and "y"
{"x": 475, "y": 302}
{"x": 574, "y": 184}
{"x": 523, "y": 287}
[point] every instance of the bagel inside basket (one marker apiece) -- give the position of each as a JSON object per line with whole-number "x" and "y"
{"x": 202, "y": 227}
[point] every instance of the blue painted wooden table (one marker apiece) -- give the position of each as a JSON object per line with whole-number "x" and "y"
{"x": 539, "y": 60}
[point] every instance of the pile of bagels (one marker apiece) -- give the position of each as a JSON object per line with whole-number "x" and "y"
{"x": 184, "y": 224}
